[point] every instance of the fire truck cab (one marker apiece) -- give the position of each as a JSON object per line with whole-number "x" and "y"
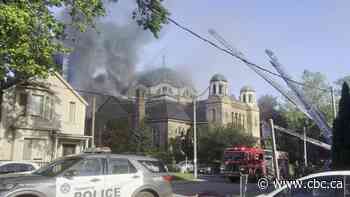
{"x": 243, "y": 160}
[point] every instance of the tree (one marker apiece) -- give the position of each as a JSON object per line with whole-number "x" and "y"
{"x": 270, "y": 108}
{"x": 30, "y": 34}
{"x": 341, "y": 81}
{"x": 316, "y": 91}
{"x": 117, "y": 136}
{"x": 341, "y": 133}
{"x": 213, "y": 140}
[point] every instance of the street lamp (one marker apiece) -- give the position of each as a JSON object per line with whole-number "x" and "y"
{"x": 195, "y": 132}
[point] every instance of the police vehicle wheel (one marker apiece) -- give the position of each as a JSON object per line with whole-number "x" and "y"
{"x": 145, "y": 194}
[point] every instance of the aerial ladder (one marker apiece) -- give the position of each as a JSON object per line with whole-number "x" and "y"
{"x": 316, "y": 115}
{"x": 295, "y": 96}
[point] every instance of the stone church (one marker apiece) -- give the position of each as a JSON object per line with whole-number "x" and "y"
{"x": 165, "y": 102}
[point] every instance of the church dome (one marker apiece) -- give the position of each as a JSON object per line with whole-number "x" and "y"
{"x": 163, "y": 75}
{"x": 247, "y": 89}
{"x": 218, "y": 77}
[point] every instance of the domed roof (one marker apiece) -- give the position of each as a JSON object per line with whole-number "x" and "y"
{"x": 164, "y": 75}
{"x": 218, "y": 77}
{"x": 247, "y": 89}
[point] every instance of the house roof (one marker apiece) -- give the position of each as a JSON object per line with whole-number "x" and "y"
{"x": 70, "y": 88}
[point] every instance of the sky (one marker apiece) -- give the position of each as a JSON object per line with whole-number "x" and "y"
{"x": 311, "y": 35}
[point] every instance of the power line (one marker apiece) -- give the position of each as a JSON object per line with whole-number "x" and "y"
{"x": 187, "y": 29}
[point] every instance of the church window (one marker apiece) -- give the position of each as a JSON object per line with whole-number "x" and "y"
{"x": 244, "y": 98}
{"x": 220, "y": 89}
{"x": 214, "y": 115}
{"x": 236, "y": 120}
{"x": 164, "y": 90}
{"x": 243, "y": 121}
{"x": 250, "y": 98}
{"x": 214, "y": 89}
{"x": 170, "y": 90}
{"x": 233, "y": 118}
{"x": 155, "y": 137}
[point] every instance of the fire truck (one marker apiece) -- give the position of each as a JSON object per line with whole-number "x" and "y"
{"x": 255, "y": 162}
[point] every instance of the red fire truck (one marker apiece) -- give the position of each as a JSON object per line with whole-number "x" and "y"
{"x": 247, "y": 160}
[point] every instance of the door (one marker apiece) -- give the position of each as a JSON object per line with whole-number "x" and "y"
{"x": 86, "y": 178}
{"x": 123, "y": 178}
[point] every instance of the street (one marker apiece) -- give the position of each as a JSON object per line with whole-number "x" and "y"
{"x": 212, "y": 186}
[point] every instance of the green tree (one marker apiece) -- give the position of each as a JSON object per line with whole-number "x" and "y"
{"x": 316, "y": 91}
{"x": 116, "y": 135}
{"x": 341, "y": 133}
{"x": 341, "y": 81}
{"x": 213, "y": 140}
{"x": 30, "y": 34}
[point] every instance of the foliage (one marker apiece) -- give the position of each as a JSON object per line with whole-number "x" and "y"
{"x": 317, "y": 91}
{"x": 341, "y": 133}
{"x": 30, "y": 34}
{"x": 116, "y": 135}
{"x": 122, "y": 139}
{"x": 183, "y": 176}
{"x": 341, "y": 81}
{"x": 213, "y": 141}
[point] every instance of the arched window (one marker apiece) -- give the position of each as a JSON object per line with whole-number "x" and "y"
{"x": 220, "y": 88}
{"x": 164, "y": 90}
{"x": 244, "y": 98}
{"x": 250, "y": 98}
{"x": 214, "y": 89}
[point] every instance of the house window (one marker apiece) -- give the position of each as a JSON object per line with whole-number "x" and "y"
{"x": 72, "y": 111}
{"x": 48, "y": 108}
{"x": 37, "y": 105}
{"x": 33, "y": 149}
{"x": 22, "y": 102}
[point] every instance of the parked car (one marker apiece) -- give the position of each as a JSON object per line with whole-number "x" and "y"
{"x": 185, "y": 166}
{"x": 204, "y": 169}
{"x": 94, "y": 173}
{"x": 7, "y": 167}
{"x": 325, "y": 184}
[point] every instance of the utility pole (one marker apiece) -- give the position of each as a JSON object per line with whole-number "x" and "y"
{"x": 333, "y": 103}
{"x": 93, "y": 121}
{"x": 274, "y": 151}
{"x": 195, "y": 138}
{"x": 305, "y": 151}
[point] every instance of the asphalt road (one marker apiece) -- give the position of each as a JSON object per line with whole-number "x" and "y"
{"x": 213, "y": 186}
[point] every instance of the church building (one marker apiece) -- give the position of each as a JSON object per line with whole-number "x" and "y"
{"x": 164, "y": 100}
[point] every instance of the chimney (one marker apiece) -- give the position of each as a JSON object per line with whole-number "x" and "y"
{"x": 140, "y": 107}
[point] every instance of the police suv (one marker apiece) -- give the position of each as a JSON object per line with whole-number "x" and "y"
{"x": 95, "y": 173}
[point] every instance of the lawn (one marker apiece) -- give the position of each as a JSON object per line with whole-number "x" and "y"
{"x": 182, "y": 176}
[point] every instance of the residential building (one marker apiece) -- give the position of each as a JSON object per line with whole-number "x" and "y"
{"x": 42, "y": 120}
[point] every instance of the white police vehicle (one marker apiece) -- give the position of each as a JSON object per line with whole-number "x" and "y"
{"x": 95, "y": 173}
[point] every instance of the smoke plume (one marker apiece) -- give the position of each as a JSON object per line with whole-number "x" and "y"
{"x": 104, "y": 59}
